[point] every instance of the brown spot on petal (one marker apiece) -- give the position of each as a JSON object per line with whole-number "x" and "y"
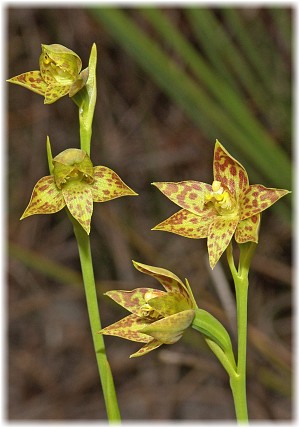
{"x": 233, "y": 170}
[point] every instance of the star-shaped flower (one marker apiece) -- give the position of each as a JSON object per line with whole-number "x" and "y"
{"x": 157, "y": 317}
{"x": 60, "y": 74}
{"x": 230, "y": 206}
{"x": 75, "y": 183}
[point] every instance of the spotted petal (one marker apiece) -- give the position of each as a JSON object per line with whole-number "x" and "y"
{"x": 189, "y": 225}
{"x": 31, "y": 80}
{"x": 134, "y": 299}
{"x": 128, "y": 328}
{"x": 247, "y": 230}
{"x": 147, "y": 348}
{"x": 45, "y": 198}
{"x": 187, "y": 194}
{"x": 219, "y": 237}
{"x": 257, "y": 198}
{"x": 108, "y": 185}
{"x": 168, "y": 280}
{"x": 229, "y": 171}
{"x": 79, "y": 200}
{"x": 54, "y": 92}
{"x": 170, "y": 303}
{"x": 169, "y": 330}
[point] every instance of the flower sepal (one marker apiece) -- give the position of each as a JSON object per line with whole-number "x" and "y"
{"x": 76, "y": 184}
{"x": 157, "y": 317}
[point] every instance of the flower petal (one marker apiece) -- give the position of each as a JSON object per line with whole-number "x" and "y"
{"x": 187, "y": 224}
{"x": 77, "y": 85}
{"x": 170, "y": 303}
{"x": 134, "y": 299}
{"x": 59, "y": 63}
{"x": 168, "y": 280}
{"x": 128, "y": 328}
{"x": 257, "y": 198}
{"x": 79, "y": 200}
{"x": 45, "y": 198}
{"x": 229, "y": 171}
{"x": 169, "y": 330}
{"x": 108, "y": 185}
{"x": 247, "y": 230}
{"x": 31, "y": 80}
{"x": 219, "y": 237}
{"x": 147, "y": 348}
{"x": 187, "y": 194}
{"x": 54, "y": 92}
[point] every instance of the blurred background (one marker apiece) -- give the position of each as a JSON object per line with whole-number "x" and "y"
{"x": 170, "y": 81}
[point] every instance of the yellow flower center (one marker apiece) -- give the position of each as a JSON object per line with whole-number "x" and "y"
{"x": 221, "y": 199}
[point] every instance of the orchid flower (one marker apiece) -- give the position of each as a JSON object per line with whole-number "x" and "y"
{"x": 60, "y": 74}
{"x": 75, "y": 183}
{"x": 157, "y": 317}
{"x": 230, "y": 206}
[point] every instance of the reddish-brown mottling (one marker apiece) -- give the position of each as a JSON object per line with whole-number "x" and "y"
{"x": 232, "y": 170}
{"x": 171, "y": 188}
{"x": 224, "y": 181}
{"x": 206, "y": 221}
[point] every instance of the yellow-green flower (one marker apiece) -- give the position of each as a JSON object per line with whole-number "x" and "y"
{"x": 60, "y": 74}
{"x": 230, "y": 206}
{"x": 157, "y": 317}
{"x": 75, "y": 183}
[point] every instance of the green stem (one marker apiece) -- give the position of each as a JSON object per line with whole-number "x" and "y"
{"x": 106, "y": 378}
{"x": 86, "y": 100}
{"x": 222, "y": 357}
{"x": 240, "y": 277}
{"x": 238, "y": 383}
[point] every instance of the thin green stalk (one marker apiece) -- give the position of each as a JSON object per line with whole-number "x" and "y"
{"x": 240, "y": 277}
{"x": 106, "y": 378}
{"x": 222, "y": 357}
{"x": 238, "y": 382}
{"x": 86, "y": 100}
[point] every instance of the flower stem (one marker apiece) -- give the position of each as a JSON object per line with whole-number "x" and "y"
{"x": 240, "y": 277}
{"x": 106, "y": 378}
{"x": 238, "y": 382}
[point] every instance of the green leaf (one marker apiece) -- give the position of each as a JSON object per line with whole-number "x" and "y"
{"x": 49, "y": 155}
